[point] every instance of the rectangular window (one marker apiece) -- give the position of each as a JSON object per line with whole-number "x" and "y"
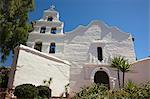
{"x": 52, "y": 48}
{"x": 43, "y": 29}
{"x": 99, "y": 53}
{"x": 38, "y": 46}
{"x": 50, "y": 18}
{"x": 53, "y": 30}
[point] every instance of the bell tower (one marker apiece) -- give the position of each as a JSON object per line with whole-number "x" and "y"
{"x": 48, "y": 35}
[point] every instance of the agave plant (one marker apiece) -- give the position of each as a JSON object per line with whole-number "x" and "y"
{"x": 47, "y": 82}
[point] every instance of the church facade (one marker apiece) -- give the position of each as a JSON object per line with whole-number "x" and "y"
{"x": 78, "y": 58}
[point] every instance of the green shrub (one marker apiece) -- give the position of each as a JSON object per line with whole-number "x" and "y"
{"x": 4, "y": 76}
{"x": 44, "y": 92}
{"x": 145, "y": 91}
{"x": 130, "y": 91}
{"x": 92, "y": 92}
{"x": 26, "y": 91}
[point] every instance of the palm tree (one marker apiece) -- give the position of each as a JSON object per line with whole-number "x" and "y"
{"x": 116, "y": 62}
{"x": 124, "y": 67}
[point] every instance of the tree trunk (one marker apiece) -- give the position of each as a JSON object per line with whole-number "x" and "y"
{"x": 123, "y": 79}
{"x": 118, "y": 79}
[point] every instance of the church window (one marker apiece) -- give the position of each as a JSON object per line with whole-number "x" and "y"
{"x": 99, "y": 53}
{"x": 38, "y": 46}
{"x": 53, "y": 30}
{"x": 43, "y": 29}
{"x": 132, "y": 38}
{"x": 50, "y": 18}
{"x": 52, "y": 48}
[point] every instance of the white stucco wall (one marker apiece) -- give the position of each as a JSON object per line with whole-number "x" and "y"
{"x": 84, "y": 40}
{"x": 33, "y": 67}
{"x": 140, "y": 71}
{"x": 80, "y": 47}
{"x": 46, "y": 40}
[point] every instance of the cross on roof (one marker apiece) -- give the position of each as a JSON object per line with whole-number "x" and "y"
{"x": 52, "y": 6}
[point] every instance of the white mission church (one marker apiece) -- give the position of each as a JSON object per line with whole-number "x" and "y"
{"x": 79, "y": 57}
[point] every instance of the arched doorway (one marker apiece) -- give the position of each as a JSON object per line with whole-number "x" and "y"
{"x": 101, "y": 77}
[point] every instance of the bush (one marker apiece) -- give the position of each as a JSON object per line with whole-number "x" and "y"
{"x": 92, "y": 92}
{"x": 4, "y": 76}
{"x": 44, "y": 92}
{"x": 26, "y": 91}
{"x": 130, "y": 91}
{"x": 3, "y": 80}
{"x": 145, "y": 91}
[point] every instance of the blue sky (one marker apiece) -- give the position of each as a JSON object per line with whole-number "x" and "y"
{"x": 129, "y": 15}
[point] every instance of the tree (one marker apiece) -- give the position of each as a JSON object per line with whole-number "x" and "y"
{"x": 116, "y": 62}
{"x": 124, "y": 67}
{"x": 13, "y": 24}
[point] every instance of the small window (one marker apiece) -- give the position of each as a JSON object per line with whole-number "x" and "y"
{"x": 43, "y": 29}
{"x": 99, "y": 53}
{"x": 52, "y": 48}
{"x": 53, "y": 30}
{"x": 133, "y": 39}
{"x": 50, "y": 18}
{"x": 38, "y": 46}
